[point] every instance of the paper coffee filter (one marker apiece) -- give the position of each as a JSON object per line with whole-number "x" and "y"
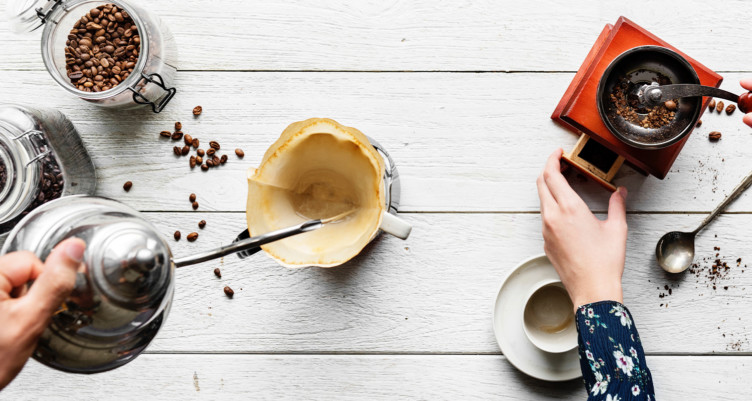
{"x": 316, "y": 170}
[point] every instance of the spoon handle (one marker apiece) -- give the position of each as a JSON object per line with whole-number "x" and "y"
{"x": 730, "y": 198}
{"x": 250, "y": 244}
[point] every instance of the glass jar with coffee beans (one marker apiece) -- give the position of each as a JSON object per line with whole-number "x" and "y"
{"x": 42, "y": 158}
{"x": 111, "y": 53}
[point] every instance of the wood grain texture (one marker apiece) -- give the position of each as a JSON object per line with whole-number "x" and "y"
{"x": 462, "y": 142}
{"x": 400, "y": 35}
{"x": 434, "y": 292}
{"x": 345, "y": 377}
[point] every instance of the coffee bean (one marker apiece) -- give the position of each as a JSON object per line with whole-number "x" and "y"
{"x": 699, "y": 123}
{"x": 200, "y": 152}
{"x": 177, "y": 235}
{"x": 197, "y": 110}
{"x": 719, "y": 107}
{"x": 192, "y": 197}
{"x": 177, "y": 135}
{"x": 217, "y": 272}
{"x": 192, "y": 237}
{"x": 223, "y": 159}
{"x": 195, "y": 143}
{"x": 202, "y": 224}
{"x": 187, "y": 139}
{"x": 239, "y": 152}
{"x": 100, "y": 47}
{"x": 194, "y": 205}
{"x": 177, "y": 150}
{"x": 178, "y": 126}
{"x": 714, "y": 136}
{"x": 211, "y": 152}
{"x": 204, "y": 167}
{"x": 730, "y": 109}
{"x": 185, "y": 150}
{"x": 670, "y": 105}
{"x": 127, "y": 186}
{"x": 199, "y": 159}
{"x": 215, "y": 159}
{"x": 229, "y": 292}
{"x": 214, "y": 144}
{"x": 165, "y": 134}
{"x": 210, "y": 163}
{"x": 192, "y": 162}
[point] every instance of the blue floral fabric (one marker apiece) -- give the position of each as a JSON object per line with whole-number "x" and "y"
{"x": 611, "y": 356}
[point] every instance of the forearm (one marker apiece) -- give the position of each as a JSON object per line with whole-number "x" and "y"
{"x": 611, "y": 355}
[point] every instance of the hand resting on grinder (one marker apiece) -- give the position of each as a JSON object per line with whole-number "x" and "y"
{"x": 747, "y": 84}
{"x": 25, "y": 314}
{"x": 588, "y": 253}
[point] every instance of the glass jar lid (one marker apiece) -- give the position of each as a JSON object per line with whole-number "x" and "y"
{"x": 19, "y": 172}
{"x": 29, "y": 15}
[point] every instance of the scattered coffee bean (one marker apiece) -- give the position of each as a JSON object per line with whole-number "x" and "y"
{"x": 192, "y": 237}
{"x": 223, "y": 159}
{"x": 239, "y": 152}
{"x": 192, "y": 162}
{"x": 127, "y": 186}
{"x": 202, "y": 224}
{"x": 177, "y": 235}
{"x": 730, "y": 109}
{"x": 195, "y": 143}
{"x": 719, "y": 107}
{"x": 199, "y": 159}
{"x": 197, "y": 110}
{"x": 670, "y": 105}
{"x": 714, "y": 136}
{"x": 699, "y": 123}
{"x": 215, "y": 159}
{"x": 204, "y": 167}
{"x": 229, "y": 292}
{"x": 711, "y": 105}
{"x": 210, "y": 163}
{"x": 177, "y": 150}
{"x": 177, "y": 135}
{"x": 192, "y": 198}
{"x": 188, "y": 140}
{"x": 185, "y": 150}
{"x": 102, "y": 49}
{"x": 217, "y": 272}
{"x": 210, "y": 152}
{"x": 194, "y": 205}
{"x": 214, "y": 145}
{"x": 165, "y": 134}
{"x": 200, "y": 152}
{"x": 178, "y": 126}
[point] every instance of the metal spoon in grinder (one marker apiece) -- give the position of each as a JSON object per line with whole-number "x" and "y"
{"x": 676, "y": 250}
{"x": 255, "y": 243}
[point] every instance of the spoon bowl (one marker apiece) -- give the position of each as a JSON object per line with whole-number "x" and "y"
{"x": 675, "y": 251}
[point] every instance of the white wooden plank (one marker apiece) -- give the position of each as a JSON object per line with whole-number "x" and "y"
{"x": 549, "y": 35}
{"x": 345, "y": 377}
{"x": 463, "y": 142}
{"x": 434, "y": 292}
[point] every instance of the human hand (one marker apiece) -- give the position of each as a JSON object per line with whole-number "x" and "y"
{"x": 588, "y": 253}
{"x": 747, "y": 84}
{"x": 25, "y": 314}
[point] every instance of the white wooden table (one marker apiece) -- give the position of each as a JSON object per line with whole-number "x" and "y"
{"x": 460, "y": 92}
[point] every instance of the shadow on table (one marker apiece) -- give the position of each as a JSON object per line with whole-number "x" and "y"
{"x": 572, "y": 389}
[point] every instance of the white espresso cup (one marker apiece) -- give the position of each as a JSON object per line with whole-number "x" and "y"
{"x": 548, "y": 318}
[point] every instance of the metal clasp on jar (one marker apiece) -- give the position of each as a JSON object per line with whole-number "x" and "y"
{"x": 41, "y": 155}
{"x": 155, "y": 79}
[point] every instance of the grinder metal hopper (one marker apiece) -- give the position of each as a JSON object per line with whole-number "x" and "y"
{"x": 599, "y": 153}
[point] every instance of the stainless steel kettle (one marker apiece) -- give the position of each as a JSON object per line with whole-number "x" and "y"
{"x": 122, "y": 297}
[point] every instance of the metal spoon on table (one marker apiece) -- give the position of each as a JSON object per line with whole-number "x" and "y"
{"x": 252, "y": 245}
{"x": 676, "y": 250}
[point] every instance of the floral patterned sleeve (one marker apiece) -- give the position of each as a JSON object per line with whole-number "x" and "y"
{"x": 611, "y": 356}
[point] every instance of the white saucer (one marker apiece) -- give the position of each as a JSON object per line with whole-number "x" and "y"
{"x": 507, "y": 320}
